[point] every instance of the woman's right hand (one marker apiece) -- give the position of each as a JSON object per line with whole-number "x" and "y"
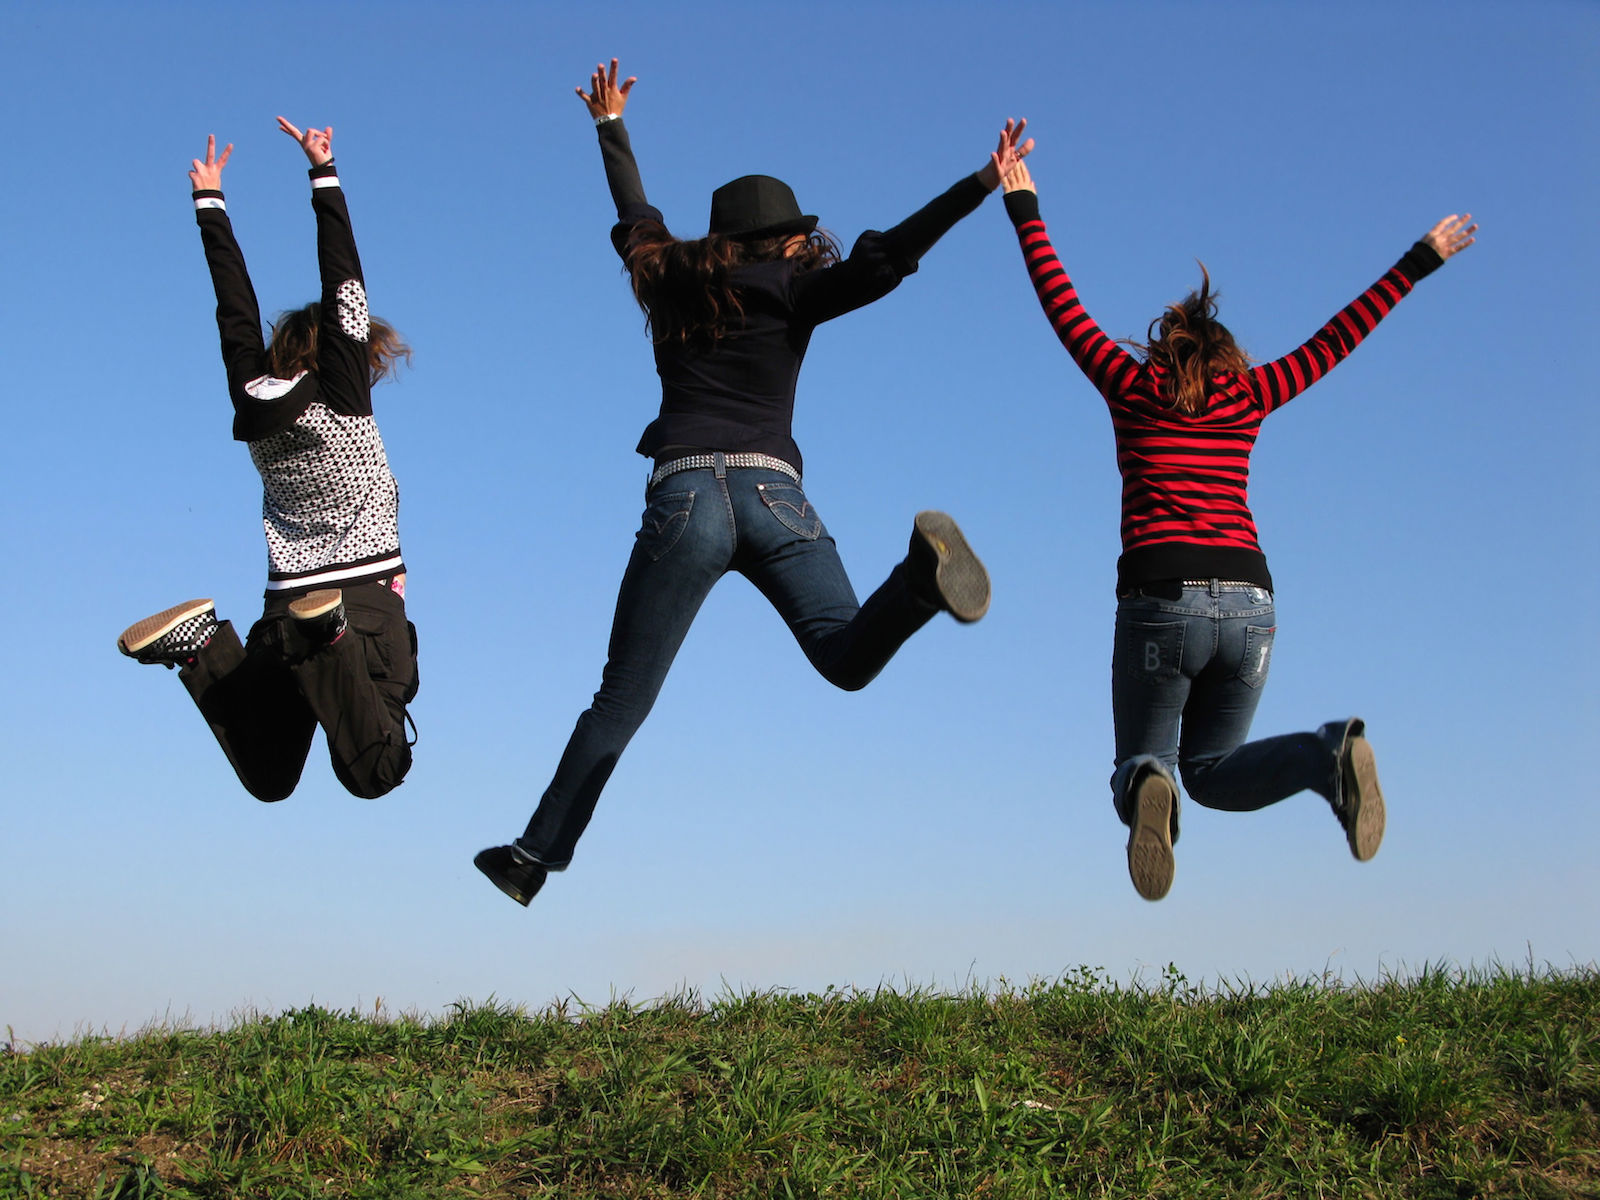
{"x": 606, "y": 97}
{"x": 1018, "y": 179}
{"x": 1451, "y": 235}
{"x": 207, "y": 176}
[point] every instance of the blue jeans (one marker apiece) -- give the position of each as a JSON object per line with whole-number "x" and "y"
{"x": 697, "y": 526}
{"x": 1186, "y": 675}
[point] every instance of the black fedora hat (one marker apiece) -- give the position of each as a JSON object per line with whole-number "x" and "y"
{"x": 757, "y": 205}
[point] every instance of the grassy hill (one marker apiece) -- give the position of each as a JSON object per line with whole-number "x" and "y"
{"x": 1447, "y": 1084}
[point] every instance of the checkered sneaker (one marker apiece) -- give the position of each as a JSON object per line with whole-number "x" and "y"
{"x": 171, "y": 637}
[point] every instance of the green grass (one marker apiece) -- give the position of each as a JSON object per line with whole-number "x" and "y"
{"x": 1446, "y": 1084}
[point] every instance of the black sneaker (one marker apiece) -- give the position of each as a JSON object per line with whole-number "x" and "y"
{"x": 1359, "y": 805}
{"x": 320, "y": 616}
{"x": 511, "y": 872}
{"x": 944, "y": 570}
{"x": 1152, "y": 815}
{"x": 172, "y": 637}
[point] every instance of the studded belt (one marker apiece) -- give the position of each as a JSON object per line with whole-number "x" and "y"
{"x": 1221, "y": 583}
{"x": 695, "y": 462}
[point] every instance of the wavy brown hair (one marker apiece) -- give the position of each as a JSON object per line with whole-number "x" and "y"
{"x": 683, "y": 287}
{"x": 1190, "y": 348}
{"x": 294, "y": 345}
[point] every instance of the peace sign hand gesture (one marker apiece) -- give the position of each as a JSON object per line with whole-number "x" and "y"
{"x": 207, "y": 176}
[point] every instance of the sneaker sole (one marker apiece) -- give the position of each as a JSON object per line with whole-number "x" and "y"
{"x": 315, "y": 604}
{"x": 503, "y": 884}
{"x": 140, "y": 634}
{"x": 1367, "y": 815}
{"x": 1150, "y": 862}
{"x": 962, "y": 581}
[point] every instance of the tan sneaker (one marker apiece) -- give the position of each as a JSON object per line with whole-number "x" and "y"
{"x": 320, "y": 616}
{"x": 1359, "y": 806}
{"x": 944, "y": 570}
{"x": 173, "y": 636}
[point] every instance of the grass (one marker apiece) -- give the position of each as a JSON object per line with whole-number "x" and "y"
{"x": 1446, "y": 1084}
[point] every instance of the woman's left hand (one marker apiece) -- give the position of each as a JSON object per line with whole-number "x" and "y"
{"x": 1011, "y": 151}
{"x": 317, "y": 143}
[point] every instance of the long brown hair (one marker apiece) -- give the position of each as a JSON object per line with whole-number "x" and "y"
{"x": 1190, "y": 348}
{"x": 683, "y": 287}
{"x": 294, "y": 345}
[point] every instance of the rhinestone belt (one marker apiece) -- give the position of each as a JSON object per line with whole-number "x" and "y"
{"x": 1221, "y": 583}
{"x": 695, "y": 462}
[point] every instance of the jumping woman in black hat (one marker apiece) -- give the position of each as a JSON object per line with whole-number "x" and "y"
{"x": 731, "y": 315}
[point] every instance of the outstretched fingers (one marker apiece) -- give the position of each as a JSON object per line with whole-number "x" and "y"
{"x": 606, "y": 97}
{"x": 1452, "y": 235}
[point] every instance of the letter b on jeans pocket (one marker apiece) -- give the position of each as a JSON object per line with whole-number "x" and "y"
{"x": 1153, "y": 649}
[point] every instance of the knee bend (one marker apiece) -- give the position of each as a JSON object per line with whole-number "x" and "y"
{"x": 378, "y": 778}
{"x": 273, "y": 794}
{"x": 1196, "y": 779}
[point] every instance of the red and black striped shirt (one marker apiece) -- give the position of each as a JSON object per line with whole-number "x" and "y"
{"x": 1185, "y": 478}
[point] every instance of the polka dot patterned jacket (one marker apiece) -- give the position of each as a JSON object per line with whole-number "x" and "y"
{"x": 331, "y": 505}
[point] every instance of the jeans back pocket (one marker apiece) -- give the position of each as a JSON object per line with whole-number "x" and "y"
{"x": 789, "y": 504}
{"x": 665, "y": 518}
{"x": 1152, "y": 649}
{"x": 1257, "y": 658}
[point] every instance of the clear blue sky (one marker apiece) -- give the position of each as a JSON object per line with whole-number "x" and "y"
{"x": 1428, "y": 509}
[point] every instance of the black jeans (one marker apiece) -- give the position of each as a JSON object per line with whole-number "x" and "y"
{"x": 263, "y": 700}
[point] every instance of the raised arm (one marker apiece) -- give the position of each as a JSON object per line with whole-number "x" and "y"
{"x": 879, "y": 261}
{"x": 345, "y": 325}
{"x": 916, "y": 235}
{"x": 238, "y": 314}
{"x": 1281, "y": 380}
{"x": 605, "y": 101}
{"x": 1109, "y": 367}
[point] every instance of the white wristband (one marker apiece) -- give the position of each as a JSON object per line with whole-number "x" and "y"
{"x": 606, "y": 118}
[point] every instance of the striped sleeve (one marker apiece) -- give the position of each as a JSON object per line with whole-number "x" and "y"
{"x": 1110, "y": 368}
{"x": 1283, "y": 379}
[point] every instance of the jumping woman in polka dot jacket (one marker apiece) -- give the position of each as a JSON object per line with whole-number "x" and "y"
{"x": 333, "y": 646}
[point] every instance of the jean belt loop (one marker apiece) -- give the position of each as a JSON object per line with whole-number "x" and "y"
{"x": 1216, "y": 588}
{"x": 719, "y": 463}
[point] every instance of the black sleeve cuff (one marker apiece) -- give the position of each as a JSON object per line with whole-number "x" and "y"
{"x": 1419, "y": 262}
{"x": 1022, "y": 207}
{"x": 324, "y": 171}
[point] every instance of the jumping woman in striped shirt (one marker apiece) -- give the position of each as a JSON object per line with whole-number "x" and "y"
{"x": 1195, "y": 617}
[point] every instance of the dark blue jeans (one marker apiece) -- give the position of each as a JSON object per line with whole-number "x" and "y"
{"x": 697, "y": 526}
{"x": 1186, "y": 675}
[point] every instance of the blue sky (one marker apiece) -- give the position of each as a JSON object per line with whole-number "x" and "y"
{"x": 1422, "y": 508}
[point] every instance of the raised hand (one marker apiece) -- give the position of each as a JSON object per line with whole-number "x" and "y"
{"x": 207, "y": 176}
{"x": 1010, "y": 152}
{"x": 1451, "y": 235}
{"x": 1018, "y": 179}
{"x": 317, "y": 143}
{"x": 606, "y": 97}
